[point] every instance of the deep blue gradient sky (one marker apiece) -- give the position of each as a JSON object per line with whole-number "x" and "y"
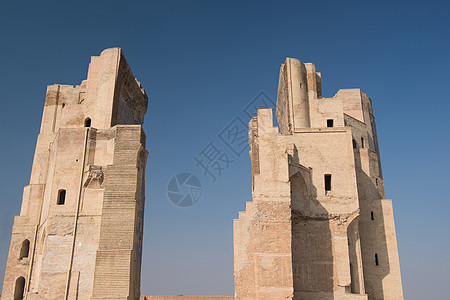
{"x": 201, "y": 63}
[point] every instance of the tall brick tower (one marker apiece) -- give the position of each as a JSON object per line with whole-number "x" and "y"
{"x": 319, "y": 226}
{"x": 79, "y": 233}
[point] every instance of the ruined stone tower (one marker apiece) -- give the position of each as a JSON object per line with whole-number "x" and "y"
{"x": 79, "y": 233}
{"x": 319, "y": 226}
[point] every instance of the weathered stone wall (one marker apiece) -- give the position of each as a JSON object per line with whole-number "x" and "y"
{"x": 187, "y": 297}
{"x": 87, "y": 240}
{"x": 302, "y": 237}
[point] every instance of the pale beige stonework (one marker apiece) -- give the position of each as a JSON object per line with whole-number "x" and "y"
{"x": 297, "y": 239}
{"x": 92, "y": 146}
{"x": 79, "y": 233}
{"x": 186, "y": 298}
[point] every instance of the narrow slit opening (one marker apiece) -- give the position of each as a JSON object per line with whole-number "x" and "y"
{"x": 327, "y": 178}
{"x": 61, "y": 197}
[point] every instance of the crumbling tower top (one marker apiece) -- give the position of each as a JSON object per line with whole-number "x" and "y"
{"x": 111, "y": 95}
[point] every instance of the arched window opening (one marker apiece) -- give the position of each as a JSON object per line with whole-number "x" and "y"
{"x": 371, "y": 216}
{"x": 354, "y": 144}
{"x": 355, "y": 259}
{"x": 61, "y": 197}
{"x": 327, "y": 178}
{"x": 87, "y": 122}
{"x": 362, "y": 142}
{"x": 376, "y": 260}
{"x": 299, "y": 191}
{"x": 330, "y": 123}
{"x": 19, "y": 288}
{"x": 25, "y": 249}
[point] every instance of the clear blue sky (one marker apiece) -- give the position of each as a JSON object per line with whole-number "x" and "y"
{"x": 201, "y": 63}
